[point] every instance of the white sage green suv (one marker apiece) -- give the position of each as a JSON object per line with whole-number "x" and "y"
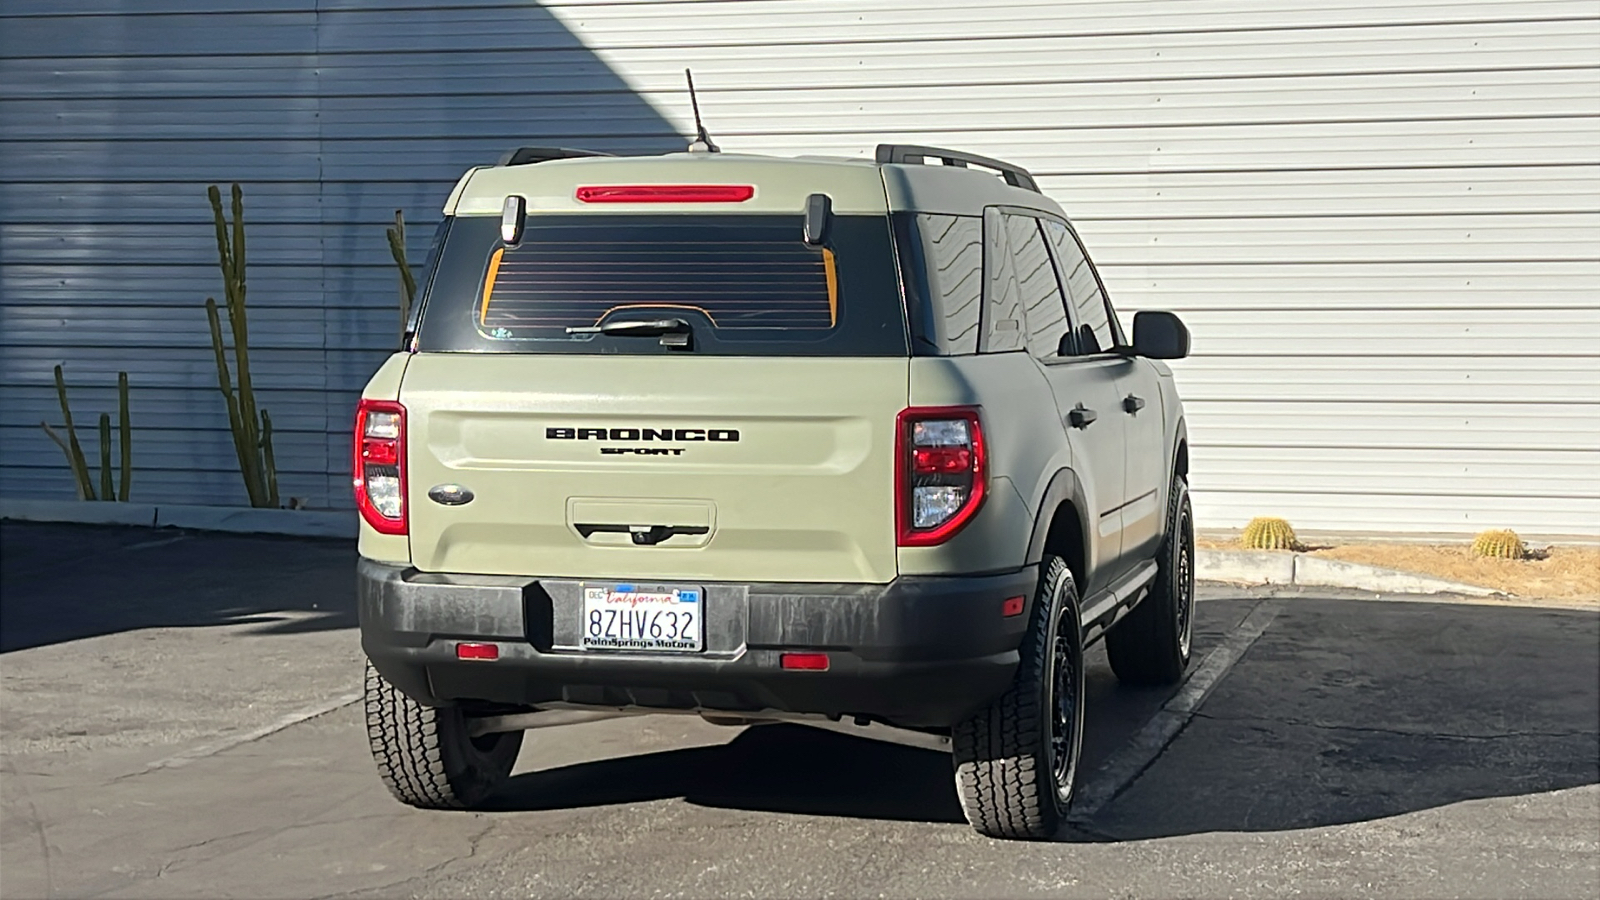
{"x": 767, "y": 439}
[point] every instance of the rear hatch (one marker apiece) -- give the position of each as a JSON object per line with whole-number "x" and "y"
{"x": 749, "y": 438}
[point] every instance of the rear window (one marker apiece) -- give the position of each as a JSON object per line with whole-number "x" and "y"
{"x": 748, "y": 285}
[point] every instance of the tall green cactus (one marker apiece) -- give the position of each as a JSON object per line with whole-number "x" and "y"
{"x": 74, "y": 451}
{"x": 408, "y": 281}
{"x": 70, "y": 447}
{"x": 125, "y": 428}
{"x": 252, "y": 429}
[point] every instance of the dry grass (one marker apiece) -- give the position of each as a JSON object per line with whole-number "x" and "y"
{"x": 1561, "y": 573}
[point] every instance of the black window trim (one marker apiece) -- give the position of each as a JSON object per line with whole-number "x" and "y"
{"x": 425, "y": 287}
{"x": 983, "y": 298}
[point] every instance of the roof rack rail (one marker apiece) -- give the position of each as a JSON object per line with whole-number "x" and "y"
{"x": 522, "y": 156}
{"x": 1015, "y": 175}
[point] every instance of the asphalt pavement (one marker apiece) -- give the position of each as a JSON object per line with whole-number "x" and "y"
{"x": 178, "y": 719}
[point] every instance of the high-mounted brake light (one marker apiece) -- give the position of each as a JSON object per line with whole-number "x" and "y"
{"x": 940, "y": 473}
{"x": 665, "y": 193}
{"x": 379, "y": 470}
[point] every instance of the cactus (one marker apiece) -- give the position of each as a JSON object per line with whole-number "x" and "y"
{"x": 1269, "y": 534}
{"x": 71, "y": 447}
{"x": 125, "y": 432}
{"x": 1499, "y": 544}
{"x": 107, "y": 493}
{"x": 252, "y": 431}
{"x": 408, "y": 282}
{"x": 74, "y": 451}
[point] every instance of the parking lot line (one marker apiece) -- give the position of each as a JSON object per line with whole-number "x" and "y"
{"x": 1143, "y": 748}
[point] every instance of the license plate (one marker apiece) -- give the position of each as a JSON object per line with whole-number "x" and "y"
{"x": 642, "y": 617}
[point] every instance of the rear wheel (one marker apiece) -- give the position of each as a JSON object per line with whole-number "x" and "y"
{"x": 1017, "y": 760}
{"x": 425, "y": 755}
{"x": 1151, "y": 644}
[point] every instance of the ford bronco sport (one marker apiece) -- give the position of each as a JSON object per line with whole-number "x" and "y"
{"x": 762, "y": 440}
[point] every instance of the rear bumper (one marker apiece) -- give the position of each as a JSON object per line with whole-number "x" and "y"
{"x": 918, "y": 651}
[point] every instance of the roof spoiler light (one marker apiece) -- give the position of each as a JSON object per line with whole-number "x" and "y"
{"x": 665, "y": 193}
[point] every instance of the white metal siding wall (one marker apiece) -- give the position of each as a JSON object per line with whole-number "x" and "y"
{"x": 115, "y": 114}
{"x": 1381, "y": 221}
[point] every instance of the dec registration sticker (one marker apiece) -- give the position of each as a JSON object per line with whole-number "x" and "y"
{"x": 630, "y": 617}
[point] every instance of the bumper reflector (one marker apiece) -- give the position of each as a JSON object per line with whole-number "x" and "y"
{"x": 811, "y": 662}
{"x": 477, "y": 651}
{"x": 1012, "y": 606}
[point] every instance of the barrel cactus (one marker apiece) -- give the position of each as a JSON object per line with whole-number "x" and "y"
{"x": 1500, "y": 544}
{"x": 1265, "y": 533}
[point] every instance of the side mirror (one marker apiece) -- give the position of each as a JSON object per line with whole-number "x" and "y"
{"x": 1159, "y": 335}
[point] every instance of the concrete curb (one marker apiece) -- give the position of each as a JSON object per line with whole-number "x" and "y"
{"x": 331, "y": 523}
{"x": 1277, "y": 567}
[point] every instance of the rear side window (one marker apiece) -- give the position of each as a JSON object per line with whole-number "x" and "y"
{"x": 746, "y": 284}
{"x": 942, "y": 258}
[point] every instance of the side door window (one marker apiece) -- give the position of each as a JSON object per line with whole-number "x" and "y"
{"x": 1096, "y": 333}
{"x": 1003, "y": 328}
{"x": 1044, "y": 308}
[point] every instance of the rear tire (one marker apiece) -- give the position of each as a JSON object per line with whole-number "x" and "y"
{"x": 424, "y": 754}
{"x": 1150, "y": 646}
{"x": 1017, "y": 760}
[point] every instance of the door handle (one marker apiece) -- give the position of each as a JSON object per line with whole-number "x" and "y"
{"x": 1080, "y": 417}
{"x": 1132, "y": 404}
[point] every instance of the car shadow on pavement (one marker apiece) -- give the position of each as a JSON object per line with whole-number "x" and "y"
{"x": 68, "y": 582}
{"x": 773, "y": 768}
{"x": 1343, "y": 711}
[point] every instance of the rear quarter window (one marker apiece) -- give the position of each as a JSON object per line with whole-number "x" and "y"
{"x": 748, "y": 285}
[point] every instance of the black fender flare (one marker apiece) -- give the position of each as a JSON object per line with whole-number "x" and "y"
{"x": 1180, "y": 440}
{"x": 1064, "y": 486}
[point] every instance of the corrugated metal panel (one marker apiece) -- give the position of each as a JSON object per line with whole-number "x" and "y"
{"x": 1381, "y": 221}
{"x": 114, "y": 117}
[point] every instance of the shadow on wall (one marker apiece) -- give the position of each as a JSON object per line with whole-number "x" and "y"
{"x": 332, "y": 115}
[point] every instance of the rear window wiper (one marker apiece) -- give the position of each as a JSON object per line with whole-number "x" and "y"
{"x": 675, "y": 333}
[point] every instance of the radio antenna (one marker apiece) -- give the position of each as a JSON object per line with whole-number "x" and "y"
{"x": 702, "y": 142}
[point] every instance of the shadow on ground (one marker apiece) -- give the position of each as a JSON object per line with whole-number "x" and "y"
{"x": 68, "y": 582}
{"x": 1344, "y": 711}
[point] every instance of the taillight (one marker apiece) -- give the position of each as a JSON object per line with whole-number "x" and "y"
{"x": 939, "y": 473}
{"x": 380, "y": 465}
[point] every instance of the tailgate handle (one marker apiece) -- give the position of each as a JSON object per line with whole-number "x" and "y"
{"x": 643, "y": 535}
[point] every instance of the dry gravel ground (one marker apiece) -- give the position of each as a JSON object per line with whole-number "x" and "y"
{"x": 1402, "y": 749}
{"x": 1562, "y": 573}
